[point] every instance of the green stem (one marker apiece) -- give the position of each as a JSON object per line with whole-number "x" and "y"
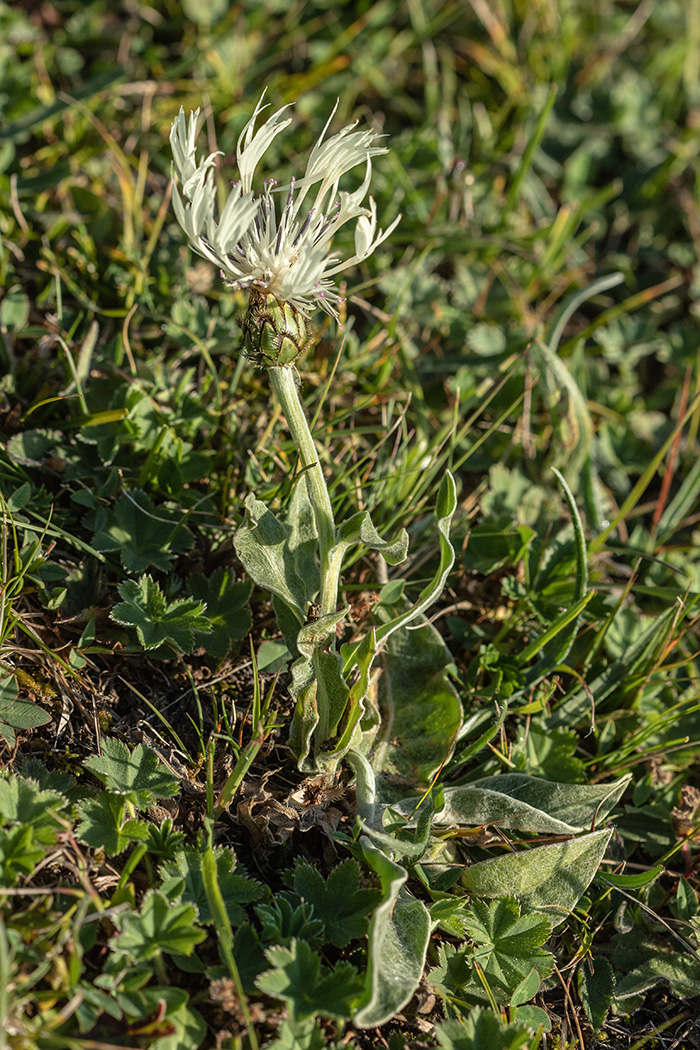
{"x": 285, "y": 384}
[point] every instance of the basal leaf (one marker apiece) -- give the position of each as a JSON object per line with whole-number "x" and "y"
{"x": 15, "y": 713}
{"x": 596, "y": 988}
{"x": 338, "y": 901}
{"x": 139, "y": 775}
{"x": 23, "y": 801}
{"x": 515, "y": 800}
{"x": 547, "y": 879}
{"x": 19, "y": 853}
{"x": 507, "y": 944}
{"x": 226, "y": 602}
{"x": 481, "y": 1030}
{"x": 398, "y": 940}
{"x": 104, "y": 825}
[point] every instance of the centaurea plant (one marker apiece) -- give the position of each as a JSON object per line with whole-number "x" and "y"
{"x": 277, "y": 245}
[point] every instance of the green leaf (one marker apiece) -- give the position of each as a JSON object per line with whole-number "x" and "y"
{"x": 527, "y": 989}
{"x": 17, "y": 714}
{"x": 103, "y": 825}
{"x": 299, "y": 1035}
{"x": 638, "y": 658}
{"x": 23, "y": 801}
{"x": 170, "y": 1022}
{"x": 157, "y": 622}
{"x": 596, "y": 988}
{"x": 145, "y": 535}
{"x": 534, "y": 1017}
{"x": 632, "y": 882}
{"x": 507, "y": 947}
{"x": 18, "y": 853}
{"x": 138, "y": 775}
{"x": 300, "y": 524}
{"x": 678, "y": 970}
{"x": 338, "y": 901}
{"x": 228, "y": 614}
{"x": 398, "y": 940}
{"x": 444, "y": 512}
{"x": 286, "y": 918}
{"x": 508, "y": 944}
{"x": 359, "y": 529}
{"x": 548, "y": 879}
{"x": 185, "y": 871}
{"x": 481, "y": 1030}
{"x": 160, "y": 926}
{"x": 262, "y": 543}
{"x": 515, "y": 800}
{"x": 421, "y": 709}
{"x": 307, "y": 987}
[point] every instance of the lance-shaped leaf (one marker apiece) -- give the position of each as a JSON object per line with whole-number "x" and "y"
{"x": 516, "y": 800}
{"x": 444, "y": 511}
{"x": 318, "y": 687}
{"x": 548, "y": 879}
{"x": 421, "y": 709}
{"x": 398, "y": 941}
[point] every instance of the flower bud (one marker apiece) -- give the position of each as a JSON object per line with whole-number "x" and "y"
{"x": 274, "y": 334}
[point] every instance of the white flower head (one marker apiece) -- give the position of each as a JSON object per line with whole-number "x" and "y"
{"x": 281, "y": 249}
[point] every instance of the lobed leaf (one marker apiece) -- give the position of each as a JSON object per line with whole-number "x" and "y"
{"x": 138, "y": 775}
{"x": 307, "y": 987}
{"x": 146, "y": 536}
{"x": 183, "y": 877}
{"x": 158, "y": 622}
{"x": 160, "y": 926}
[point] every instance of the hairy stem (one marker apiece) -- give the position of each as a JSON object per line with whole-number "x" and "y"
{"x": 284, "y": 383}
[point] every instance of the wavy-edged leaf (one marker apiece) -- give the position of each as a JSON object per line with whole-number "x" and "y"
{"x": 398, "y": 941}
{"x": 262, "y": 544}
{"x": 516, "y": 800}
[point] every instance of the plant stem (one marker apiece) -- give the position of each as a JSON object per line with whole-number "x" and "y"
{"x": 285, "y": 384}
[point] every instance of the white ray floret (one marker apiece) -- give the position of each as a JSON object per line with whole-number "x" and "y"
{"x": 287, "y": 255}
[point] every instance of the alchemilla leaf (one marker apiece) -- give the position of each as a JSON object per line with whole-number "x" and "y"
{"x": 139, "y": 775}
{"x": 184, "y": 875}
{"x": 158, "y": 622}
{"x": 160, "y": 926}
{"x": 306, "y": 986}
{"x": 228, "y": 614}
{"x": 104, "y": 825}
{"x": 339, "y": 900}
{"x": 146, "y": 536}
